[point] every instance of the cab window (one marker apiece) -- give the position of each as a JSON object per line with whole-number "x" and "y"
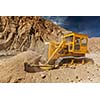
{"x": 69, "y": 39}
{"x": 77, "y": 43}
{"x": 84, "y": 42}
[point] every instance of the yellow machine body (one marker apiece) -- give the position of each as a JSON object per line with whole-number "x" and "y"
{"x": 72, "y": 48}
{"x": 72, "y": 44}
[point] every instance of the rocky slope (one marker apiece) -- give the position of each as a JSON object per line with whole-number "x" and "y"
{"x": 22, "y": 33}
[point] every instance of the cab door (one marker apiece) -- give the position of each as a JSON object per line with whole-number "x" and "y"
{"x": 84, "y": 41}
{"x": 77, "y": 45}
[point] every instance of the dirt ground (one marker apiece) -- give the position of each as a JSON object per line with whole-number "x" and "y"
{"x": 12, "y": 70}
{"x": 22, "y": 39}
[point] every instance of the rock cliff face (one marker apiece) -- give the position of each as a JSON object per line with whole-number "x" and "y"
{"x": 22, "y": 33}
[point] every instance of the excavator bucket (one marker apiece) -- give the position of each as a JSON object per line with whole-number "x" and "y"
{"x": 37, "y": 68}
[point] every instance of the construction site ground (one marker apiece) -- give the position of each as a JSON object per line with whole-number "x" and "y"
{"x": 12, "y": 70}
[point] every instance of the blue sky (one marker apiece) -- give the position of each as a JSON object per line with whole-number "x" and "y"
{"x": 83, "y": 24}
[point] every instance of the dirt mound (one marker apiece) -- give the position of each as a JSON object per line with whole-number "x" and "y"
{"x": 22, "y": 33}
{"x": 94, "y": 45}
{"x": 85, "y": 73}
{"x": 12, "y": 69}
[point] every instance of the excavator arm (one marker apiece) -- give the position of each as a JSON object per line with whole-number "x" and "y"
{"x": 55, "y": 52}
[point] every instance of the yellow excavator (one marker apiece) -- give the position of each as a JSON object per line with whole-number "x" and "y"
{"x": 71, "y": 49}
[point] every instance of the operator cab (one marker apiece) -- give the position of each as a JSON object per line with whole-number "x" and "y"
{"x": 76, "y": 42}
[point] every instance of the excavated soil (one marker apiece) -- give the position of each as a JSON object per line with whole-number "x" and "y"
{"x": 23, "y": 39}
{"x": 12, "y": 70}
